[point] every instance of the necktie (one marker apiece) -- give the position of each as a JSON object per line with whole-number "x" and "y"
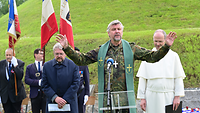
{"x": 38, "y": 66}
{"x": 9, "y": 71}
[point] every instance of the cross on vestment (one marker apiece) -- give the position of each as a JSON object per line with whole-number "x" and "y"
{"x": 115, "y": 64}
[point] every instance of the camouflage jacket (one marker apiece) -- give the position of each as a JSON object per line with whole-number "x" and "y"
{"x": 116, "y": 53}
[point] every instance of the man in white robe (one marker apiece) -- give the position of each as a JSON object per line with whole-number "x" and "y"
{"x": 160, "y": 83}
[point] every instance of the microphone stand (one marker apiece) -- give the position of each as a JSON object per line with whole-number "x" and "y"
{"x": 109, "y": 103}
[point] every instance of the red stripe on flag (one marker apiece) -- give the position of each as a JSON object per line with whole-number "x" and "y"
{"x": 48, "y": 29}
{"x": 12, "y": 38}
{"x": 12, "y": 42}
{"x": 17, "y": 26}
{"x": 66, "y": 29}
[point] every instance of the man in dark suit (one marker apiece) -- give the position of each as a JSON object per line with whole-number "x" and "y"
{"x": 33, "y": 78}
{"x": 84, "y": 88}
{"x": 60, "y": 81}
{"x": 12, "y": 90}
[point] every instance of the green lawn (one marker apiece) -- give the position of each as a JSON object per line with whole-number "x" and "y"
{"x": 91, "y": 17}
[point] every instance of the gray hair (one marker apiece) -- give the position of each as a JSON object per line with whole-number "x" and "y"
{"x": 114, "y": 22}
{"x": 57, "y": 45}
{"x": 162, "y": 31}
{"x": 9, "y": 49}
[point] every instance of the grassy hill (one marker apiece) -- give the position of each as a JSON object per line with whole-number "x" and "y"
{"x": 91, "y": 17}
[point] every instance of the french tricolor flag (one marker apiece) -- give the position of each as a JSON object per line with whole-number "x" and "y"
{"x": 13, "y": 31}
{"x": 48, "y": 22}
{"x": 65, "y": 22}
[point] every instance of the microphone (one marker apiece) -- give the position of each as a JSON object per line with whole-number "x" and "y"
{"x": 109, "y": 62}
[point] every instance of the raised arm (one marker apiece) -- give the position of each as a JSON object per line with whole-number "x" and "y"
{"x": 170, "y": 38}
{"x": 62, "y": 39}
{"x": 80, "y": 59}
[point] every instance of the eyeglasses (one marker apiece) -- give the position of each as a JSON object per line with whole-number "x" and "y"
{"x": 59, "y": 54}
{"x": 41, "y": 53}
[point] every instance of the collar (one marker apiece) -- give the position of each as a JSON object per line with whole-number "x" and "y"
{"x": 36, "y": 62}
{"x": 115, "y": 47}
{"x": 7, "y": 63}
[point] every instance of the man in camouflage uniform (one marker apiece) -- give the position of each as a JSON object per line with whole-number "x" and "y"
{"x": 120, "y": 69}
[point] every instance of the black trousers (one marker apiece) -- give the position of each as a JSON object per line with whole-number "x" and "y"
{"x": 81, "y": 107}
{"x": 39, "y": 103}
{"x": 10, "y": 107}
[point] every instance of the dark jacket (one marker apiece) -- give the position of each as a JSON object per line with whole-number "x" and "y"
{"x": 84, "y": 81}
{"x": 62, "y": 80}
{"x": 32, "y": 80}
{"x": 7, "y": 88}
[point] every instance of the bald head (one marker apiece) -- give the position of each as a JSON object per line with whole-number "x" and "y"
{"x": 159, "y": 38}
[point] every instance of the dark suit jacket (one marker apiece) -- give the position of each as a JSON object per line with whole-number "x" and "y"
{"x": 7, "y": 88}
{"x": 84, "y": 80}
{"x": 62, "y": 80}
{"x": 32, "y": 80}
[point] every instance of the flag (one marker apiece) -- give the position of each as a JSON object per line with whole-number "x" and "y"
{"x": 65, "y": 22}
{"x": 48, "y": 22}
{"x": 13, "y": 31}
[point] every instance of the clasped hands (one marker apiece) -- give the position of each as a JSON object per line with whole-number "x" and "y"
{"x": 60, "y": 101}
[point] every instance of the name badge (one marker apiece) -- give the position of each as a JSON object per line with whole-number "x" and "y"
{"x": 37, "y": 74}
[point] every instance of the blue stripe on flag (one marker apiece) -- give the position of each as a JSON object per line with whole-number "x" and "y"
{"x": 11, "y": 14}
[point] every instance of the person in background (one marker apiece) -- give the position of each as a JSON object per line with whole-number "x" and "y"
{"x": 83, "y": 91}
{"x": 160, "y": 83}
{"x": 124, "y": 54}
{"x": 12, "y": 90}
{"x": 60, "y": 81}
{"x": 33, "y": 78}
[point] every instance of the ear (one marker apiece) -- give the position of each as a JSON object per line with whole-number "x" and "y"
{"x": 34, "y": 55}
{"x": 108, "y": 35}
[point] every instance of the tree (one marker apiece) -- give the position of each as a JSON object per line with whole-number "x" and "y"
{"x": 4, "y": 6}
{"x": 19, "y": 2}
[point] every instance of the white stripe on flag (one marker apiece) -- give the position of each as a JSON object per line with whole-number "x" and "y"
{"x": 47, "y": 10}
{"x": 64, "y": 10}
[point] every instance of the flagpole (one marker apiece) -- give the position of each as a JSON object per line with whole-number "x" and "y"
{"x": 43, "y": 54}
{"x": 14, "y": 73}
{"x": 13, "y": 28}
{"x": 13, "y": 47}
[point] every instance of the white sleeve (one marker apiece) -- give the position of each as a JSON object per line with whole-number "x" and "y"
{"x": 141, "y": 88}
{"x": 179, "y": 87}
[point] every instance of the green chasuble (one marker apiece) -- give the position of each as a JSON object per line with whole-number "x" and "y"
{"x": 128, "y": 70}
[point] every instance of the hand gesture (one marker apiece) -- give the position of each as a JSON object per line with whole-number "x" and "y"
{"x": 62, "y": 40}
{"x": 170, "y": 38}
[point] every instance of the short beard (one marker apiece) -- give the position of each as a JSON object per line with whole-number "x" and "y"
{"x": 117, "y": 40}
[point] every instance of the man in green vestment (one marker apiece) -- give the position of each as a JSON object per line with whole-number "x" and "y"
{"x": 124, "y": 54}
